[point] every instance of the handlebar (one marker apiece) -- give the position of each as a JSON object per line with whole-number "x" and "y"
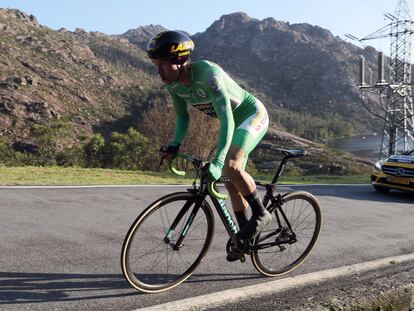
{"x": 210, "y": 185}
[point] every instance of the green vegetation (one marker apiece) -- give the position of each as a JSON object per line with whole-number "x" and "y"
{"x": 317, "y": 128}
{"x": 56, "y": 175}
{"x": 56, "y": 145}
{"x": 57, "y": 157}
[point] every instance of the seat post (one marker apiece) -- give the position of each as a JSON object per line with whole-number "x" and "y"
{"x": 280, "y": 169}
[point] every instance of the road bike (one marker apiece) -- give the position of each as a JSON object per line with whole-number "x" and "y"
{"x": 170, "y": 238}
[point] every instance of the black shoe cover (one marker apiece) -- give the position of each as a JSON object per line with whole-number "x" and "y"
{"x": 254, "y": 226}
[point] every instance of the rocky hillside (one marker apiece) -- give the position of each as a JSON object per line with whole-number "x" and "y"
{"x": 77, "y": 77}
{"x": 101, "y": 83}
{"x": 298, "y": 67}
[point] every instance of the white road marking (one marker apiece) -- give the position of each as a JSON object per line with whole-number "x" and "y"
{"x": 88, "y": 186}
{"x": 138, "y": 186}
{"x": 244, "y": 293}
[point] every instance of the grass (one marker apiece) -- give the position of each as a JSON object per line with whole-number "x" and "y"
{"x": 34, "y": 175}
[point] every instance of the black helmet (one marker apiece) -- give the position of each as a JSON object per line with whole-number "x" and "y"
{"x": 171, "y": 45}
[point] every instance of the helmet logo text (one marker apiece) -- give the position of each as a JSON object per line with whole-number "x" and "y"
{"x": 183, "y": 46}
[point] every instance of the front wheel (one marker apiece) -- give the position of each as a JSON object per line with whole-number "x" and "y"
{"x": 151, "y": 260}
{"x": 291, "y": 235}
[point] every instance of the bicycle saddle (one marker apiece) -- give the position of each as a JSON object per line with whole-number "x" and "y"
{"x": 289, "y": 153}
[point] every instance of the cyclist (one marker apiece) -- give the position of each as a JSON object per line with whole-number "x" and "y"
{"x": 243, "y": 121}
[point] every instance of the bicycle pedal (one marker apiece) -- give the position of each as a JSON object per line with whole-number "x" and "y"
{"x": 246, "y": 246}
{"x": 242, "y": 259}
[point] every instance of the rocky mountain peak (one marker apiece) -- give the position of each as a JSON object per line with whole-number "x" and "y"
{"x": 140, "y": 36}
{"x": 270, "y": 22}
{"x": 238, "y": 17}
{"x": 239, "y": 22}
{"x": 300, "y": 67}
{"x": 230, "y": 21}
{"x": 16, "y": 15}
{"x": 149, "y": 30}
{"x": 313, "y": 31}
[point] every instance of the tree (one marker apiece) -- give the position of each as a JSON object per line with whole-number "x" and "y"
{"x": 93, "y": 151}
{"x": 129, "y": 151}
{"x": 51, "y": 140}
{"x": 158, "y": 125}
{"x": 6, "y": 152}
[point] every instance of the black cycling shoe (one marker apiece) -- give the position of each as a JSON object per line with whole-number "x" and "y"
{"x": 235, "y": 256}
{"x": 254, "y": 226}
{"x": 234, "y": 253}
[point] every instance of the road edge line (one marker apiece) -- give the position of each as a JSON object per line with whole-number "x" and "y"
{"x": 153, "y": 185}
{"x": 244, "y": 293}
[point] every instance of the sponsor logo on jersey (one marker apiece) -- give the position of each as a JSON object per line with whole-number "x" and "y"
{"x": 214, "y": 83}
{"x": 183, "y": 95}
{"x": 208, "y": 109}
{"x": 201, "y": 93}
{"x": 257, "y": 122}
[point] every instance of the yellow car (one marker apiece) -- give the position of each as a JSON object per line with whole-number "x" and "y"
{"x": 395, "y": 172}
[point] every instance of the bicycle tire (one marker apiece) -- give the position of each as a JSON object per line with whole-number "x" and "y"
{"x": 270, "y": 261}
{"x": 140, "y": 272}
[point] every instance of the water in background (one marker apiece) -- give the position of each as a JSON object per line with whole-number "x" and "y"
{"x": 362, "y": 146}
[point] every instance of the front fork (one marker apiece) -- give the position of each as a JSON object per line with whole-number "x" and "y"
{"x": 168, "y": 237}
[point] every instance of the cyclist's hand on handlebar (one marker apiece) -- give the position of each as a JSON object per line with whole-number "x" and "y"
{"x": 169, "y": 151}
{"x": 211, "y": 171}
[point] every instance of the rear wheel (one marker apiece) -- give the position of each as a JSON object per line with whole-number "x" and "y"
{"x": 150, "y": 262}
{"x": 303, "y": 213}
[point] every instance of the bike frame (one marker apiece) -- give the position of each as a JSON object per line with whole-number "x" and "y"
{"x": 227, "y": 219}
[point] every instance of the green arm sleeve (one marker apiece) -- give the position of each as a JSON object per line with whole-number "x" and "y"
{"x": 221, "y": 103}
{"x": 181, "y": 119}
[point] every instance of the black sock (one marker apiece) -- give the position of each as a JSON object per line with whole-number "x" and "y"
{"x": 241, "y": 218}
{"x": 255, "y": 203}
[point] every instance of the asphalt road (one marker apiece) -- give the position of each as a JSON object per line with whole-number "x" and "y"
{"x": 60, "y": 247}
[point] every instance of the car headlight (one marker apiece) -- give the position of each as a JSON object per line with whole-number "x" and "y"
{"x": 378, "y": 165}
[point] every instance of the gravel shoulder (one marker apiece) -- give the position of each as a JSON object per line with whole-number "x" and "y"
{"x": 390, "y": 288}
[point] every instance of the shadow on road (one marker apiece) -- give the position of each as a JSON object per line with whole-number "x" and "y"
{"x": 19, "y": 288}
{"x": 41, "y": 287}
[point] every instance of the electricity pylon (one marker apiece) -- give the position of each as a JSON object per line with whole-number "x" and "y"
{"x": 395, "y": 95}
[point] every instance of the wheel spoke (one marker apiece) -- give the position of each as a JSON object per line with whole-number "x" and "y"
{"x": 297, "y": 217}
{"x": 200, "y": 223}
{"x": 182, "y": 259}
{"x": 151, "y": 251}
{"x": 162, "y": 222}
{"x": 298, "y": 224}
{"x": 150, "y": 235}
{"x": 159, "y": 259}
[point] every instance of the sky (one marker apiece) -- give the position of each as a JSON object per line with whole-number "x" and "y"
{"x": 357, "y": 17}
